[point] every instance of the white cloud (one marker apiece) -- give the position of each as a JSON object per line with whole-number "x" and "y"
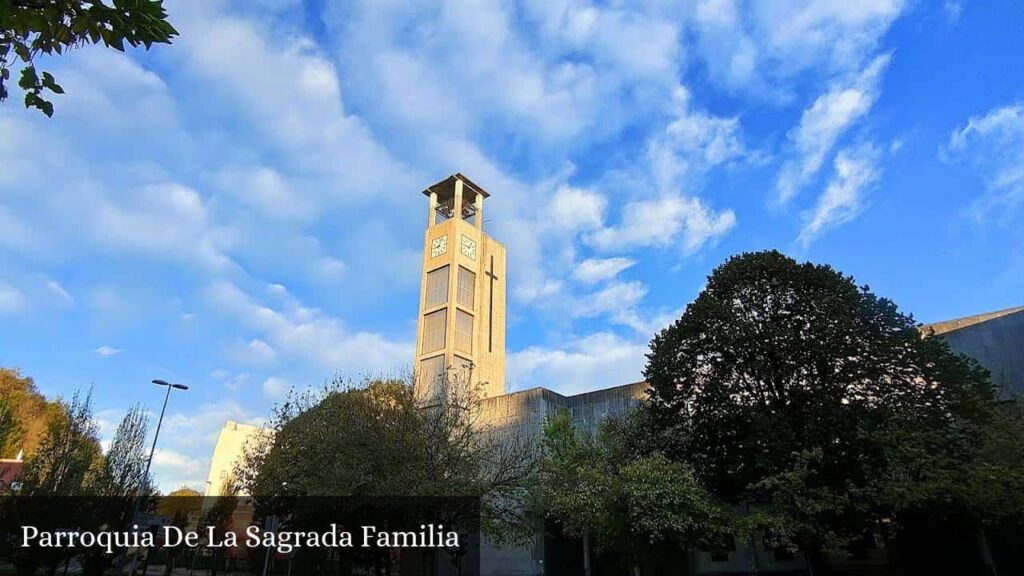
{"x": 677, "y": 159}
{"x": 952, "y": 9}
{"x": 621, "y": 303}
{"x": 28, "y": 293}
{"x": 663, "y": 222}
{"x": 297, "y": 111}
{"x": 761, "y": 47}
{"x": 691, "y": 143}
{"x": 824, "y": 122}
{"x": 172, "y": 470}
{"x": 993, "y": 144}
{"x": 169, "y": 459}
{"x": 594, "y": 270}
{"x": 612, "y": 298}
{"x": 15, "y": 233}
{"x": 166, "y": 220}
{"x": 265, "y": 190}
{"x": 256, "y": 351}
{"x": 12, "y": 301}
{"x": 274, "y": 387}
{"x": 574, "y": 209}
{"x": 195, "y": 431}
{"x": 649, "y": 324}
{"x": 548, "y": 73}
{"x": 590, "y": 363}
{"x": 107, "y": 351}
{"x": 57, "y": 290}
{"x": 328, "y": 269}
{"x": 307, "y": 334}
{"x": 232, "y": 381}
{"x": 855, "y": 170}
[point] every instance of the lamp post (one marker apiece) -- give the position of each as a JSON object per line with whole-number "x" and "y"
{"x": 160, "y": 422}
{"x": 149, "y": 462}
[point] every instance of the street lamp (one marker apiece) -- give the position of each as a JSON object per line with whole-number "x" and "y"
{"x": 149, "y": 462}
{"x": 161, "y": 420}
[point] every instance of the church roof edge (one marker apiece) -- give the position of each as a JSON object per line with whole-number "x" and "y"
{"x": 946, "y": 326}
{"x": 543, "y": 390}
{"x": 435, "y": 187}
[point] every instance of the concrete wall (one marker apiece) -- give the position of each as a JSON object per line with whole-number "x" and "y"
{"x": 229, "y": 449}
{"x": 997, "y": 343}
{"x": 523, "y": 413}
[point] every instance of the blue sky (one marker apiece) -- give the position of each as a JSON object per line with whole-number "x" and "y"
{"x": 240, "y": 211}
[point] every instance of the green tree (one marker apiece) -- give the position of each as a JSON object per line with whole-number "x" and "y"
{"x": 573, "y": 486}
{"x": 10, "y": 430}
{"x": 979, "y": 489}
{"x": 123, "y": 467}
{"x": 612, "y": 488}
{"x": 67, "y": 458}
{"x": 116, "y": 482}
{"x": 29, "y": 28}
{"x": 379, "y": 439}
{"x": 30, "y": 410}
{"x": 68, "y": 454}
{"x": 788, "y": 384}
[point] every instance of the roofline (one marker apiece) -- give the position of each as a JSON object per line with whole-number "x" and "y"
{"x": 946, "y": 326}
{"x": 543, "y": 390}
{"x": 458, "y": 175}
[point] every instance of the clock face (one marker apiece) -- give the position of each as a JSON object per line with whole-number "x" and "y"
{"x": 469, "y": 247}
{"x": 438, "y": 246}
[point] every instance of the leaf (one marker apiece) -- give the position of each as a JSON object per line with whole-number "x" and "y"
{"x": 23, "y": 52}
{"x": 32, "y": 100}
{"x": 29, "y": 80}
{"x": 51, "y": 84}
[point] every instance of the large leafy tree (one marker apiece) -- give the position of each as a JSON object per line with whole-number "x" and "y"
{"x": 788, "y": 384}
{"x": 29, "y": 410}
{"x": 379, "y": 439}
{"x": 30, "y": 28}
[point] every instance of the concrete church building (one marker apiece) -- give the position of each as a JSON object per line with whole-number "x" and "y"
{"x": 461, "y": 326}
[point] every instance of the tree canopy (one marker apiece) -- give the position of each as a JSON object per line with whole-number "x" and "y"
{"x": 30, "y": 28}
{"x": 379, "y": 439}
{"x": 632, "y": 501}
{"x": 28, "y": 413}
{"x": 788, "y": 384}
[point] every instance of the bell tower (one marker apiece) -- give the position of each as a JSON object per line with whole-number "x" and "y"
{"x": 461, "y": 325}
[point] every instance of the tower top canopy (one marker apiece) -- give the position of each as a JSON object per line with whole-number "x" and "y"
{"x": 445, "y": 189}
{"x": 471, "y": 201}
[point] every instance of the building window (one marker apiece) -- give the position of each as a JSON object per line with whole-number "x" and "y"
{"x": 466, "y": 285}
{"x": 463, "y": 331}
{"x": 433, "y": 330}
{"x": 432, "y": 376}
{"x": 437, "y": 287}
